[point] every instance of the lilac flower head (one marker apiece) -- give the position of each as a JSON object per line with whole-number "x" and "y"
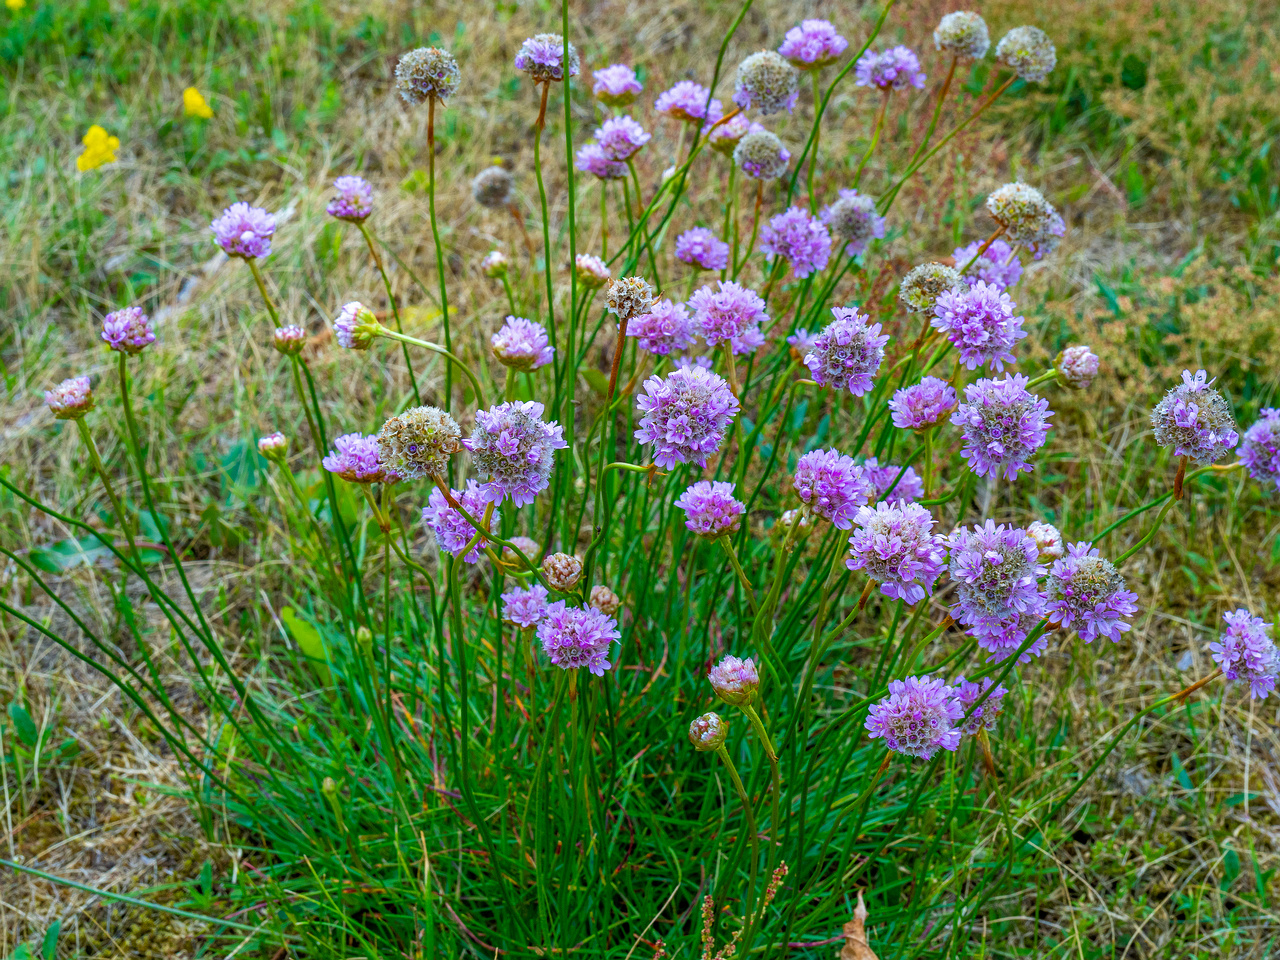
{"x": 592, "y": 271}
{"x": 917, "y": 718}
{"x": 802, "y": 343}
{"x": 289, "y": 339}
{"x": 71, "y": 399}
{"x": 128, "y": 330}
{"x": 492, "y": 187}
{"x": 591, "y": 158}
{"x": 605, "y": 600}
{"x": 575, "y": 637}
{"x": 542, "y": 56}
{"x": 853, "y": 219}
{"x": 666, "y": 327}
{"x": 355, "y": 326}
{"x": 979, "y": 321}
{"x": 244, "y": 231}
{"x": 761, "y": 155}
{"x": 962, "y": 34}
{"x": 1003, "y": 638}
{"x": 995, "y": 569}
{"x": 525, "y": 608}
{"x": 688, "y": 101}
{"x": 1260, "y": 451}
{"x": 494, "y": 264}
{"x": 701, "y": 248}
{"x": 796, "y": 236}
{"x": 895, "y": 545}
{"x": 352, "y": 199}
{"x": 922, "y": 286}
{"x": 922, "y": 405}
{"x": 1048, "y": 540}
{"x": 513, "y": 450}
{"x": 1027, "y": 217}
{"x": 813, "y": 45}
{"x": 355, "y": 458}
{"x": 710, "y": 509}
{"x": 1247, "y": 654}
{"x": 685, "y": 415}
{"x": 910, "y": 488}
{"x": 1028, "y": 52}
{"x": 848, "y": 353}
{"x": 1077, "y": 366}
{"x": 997, "y": 267}
{"x": 832, "y": 486}
{"x": 723, "y": 138}
{"x": 726, "y": 312}
{"x": 273, "y": 447}
{"x": 985, "y": 717}
{"x": 453, "y": 531}
{"x": 735, "y": 681}
{"x": 1003, "y": 425}
{"x": 684, "y": 361}
{"x": 767, "y": 82}
{"x": 1195, "y": 420}
{"x": 616, "y": 85}
{"x": 419, "y": 442}
{"x": 522, "y": 344}
{"x": 621, "y": 137}
{"x": 427, "y": 73}
{"x": 1088, "y": 595}
{"x": 708, "y": 732}
{"x": 895, "y": 69}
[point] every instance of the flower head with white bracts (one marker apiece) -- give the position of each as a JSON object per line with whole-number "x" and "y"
{"x": 798, "y": 237}
{"x": 591, "y": 270}
{"x": 513, "y": 450}
{"x": 735, "y": 681}
{"x": 920, "y": 288}
{"x": 616, "y": 85}
{"x": 1028, "y": 52}
{"x": 723, "y": 137}
{"x": 244, "y": 231}
{"x": 494, "y": 264}
{"x": 522, "y": 344}
{"x": 896, "y": 546}
{"x": 574, "y": 637}
{"x": 492, "y": 187}
{"x": 273, "y": 447}
{"x": 848, "y": 353}
{"x": 452, "y": 530}
{"x": 832, "y": 486}
{"x": 854, "y": 219}
{"x": 708, "y": 732}
{"x": 980, "y": 323}
{"x": 1247, "y": 654}
{"x": 813, "y": 45}
{"x": 995, "y": 569}
{"x": 701, "y": 248}
{"x": 766, "y": 82}
{"x": 685, "y": 415}
{"x": 1260, "y": 450}
{"x": 1088, "y": 595}
{"x": 419, "y": 442}
{"x": 666, "y": 327}
{"x": 1048, "y": 540}
{"x": 984, "y": 717}
{"x": 710, "y": 509}
{"x": 1077, "y": 366}
{"x": 1003, "y": 425}
{"x": 1027, "y": 217}
{"x": 962, "y": 34}
{"x": 761, "y": 155}
{"x": 525, "y": 608}
{"x": 917, "y": 718}
{"x": 1195, "y": 420}
{"x": 895, "y": 69}
{"x": 427, "y": 73}
{"x": 922, "y": 405}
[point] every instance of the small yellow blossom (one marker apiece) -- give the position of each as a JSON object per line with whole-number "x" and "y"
{"x": 15, "y": 5}
{"x": 99, "y": 148}
{"x": 195, "y": 105}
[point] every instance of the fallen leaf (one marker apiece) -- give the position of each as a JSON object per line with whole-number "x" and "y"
{"x": 855, "y": 936}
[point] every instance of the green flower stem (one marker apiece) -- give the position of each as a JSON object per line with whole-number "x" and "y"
{"x": 391, "y": 300}
{"x": 296, "y": 489}
{"x": 444, "y": 352}
{"x": 262, "y": 289}
{"x": 1044, "y": 377}
{"x": 511, "y": 300}
{"x": 95, "y": 459}
{"x": 645, "y": 234}
{"x": 817, "y": 133}
{"x": 435, "y": 238}
{"x": 928, "y": 461}
{"x": 1155, "y": 527}
{"x": 876, "y": 129}
{"x": 956, "y": 487}
{"x": 509, "y": 387}
{"x": 753, "y": 831}
{"x": 731, "y": 221}
{"x": 775, "y": 775}
{"x": 747, "y": 589}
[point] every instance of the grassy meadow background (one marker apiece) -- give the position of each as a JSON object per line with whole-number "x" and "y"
{"x": 1155, "y": 136}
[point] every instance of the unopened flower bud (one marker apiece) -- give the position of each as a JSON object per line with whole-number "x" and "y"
{"x": 605, "y": 600}
{"x": 274, "y": 446}
{"x": 1048, "y": 540}
{"x": 289, "y": 340}
{"x": 735, "y": 681}
{"x": 562, "y": 571}
{"x": 71, "y": 399}
{"x": 592, "y": 271}
{"x": 329, "y": 788}
{"x": 1077, "y": 366}
{"x": 364, "y": 641}
{"x": 494, "y": 264}
{"x": 356, "y": 326}
{"x": 708, "y": 732}
{"x": 528, "y": 547}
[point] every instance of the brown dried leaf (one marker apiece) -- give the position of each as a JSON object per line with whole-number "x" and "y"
{"x": 855, "y": 936}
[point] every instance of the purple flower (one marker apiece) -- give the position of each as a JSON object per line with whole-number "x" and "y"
{"x": 621, "y": 137}
{"x": 701, "y": 248}
{"x": 909, "y": 488}
{"x": 761, "y": 155}
{"x": 1260, "y": 451}
{"x": 848, "y": 352}
{"x": 710, "y": 510}
{"x": 71, "y": 399}
{"x": 832, "y": 486}
{"x": 1088, "y": 595}
{"x": 591, "y": 158}
{"x": 735, "y": 681}
{"x": 685, "y": 415}
{"x": 1003, "y": 424}
{"x": 767, "y": 82}
{"x": 513, "y": 450}
{"x": 1195, "y": 420}
{"x": 525, "y": 608}
{"x": 895, "y": 545}
{"x": 666, "y": 327}
{"x": 895, "y": 69}
{"x": 813, "y": 45}
{"x": 353, "y": 199}
{"x": 128, "y": 330}
{"x": 979, "y": 320}
{"x": 688, "y": 101}
{"x": 522, "y": 344}
{"x": 616, "y": 85}
{"x": 685, "y": 362}
{"x": 726, "y": 313}
{"x": 244, "y": 231}
{"x": 1077, "y": 366}
{"x": 1003, "y": 638}
{"x": 724, "y": 138}
{"x": 798, "y": 237}
{"x": 453, "y": 531}
{"x": 997, "y": 267}
{"x": 354, "y": 458}
{"x": 575, "y": 637}
{"x": 802, "y": 342}
{"x": 1247, "y": 654}
{"x": 995, "y": 569}
{"x": 853, "y": 219}
{"x": 543, "y": 57}
{"x": 916, "y": 718}
{"x": 985, "y": 717}
{"x": 922, "y": 405}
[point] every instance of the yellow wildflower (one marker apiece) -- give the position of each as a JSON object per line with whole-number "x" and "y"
{"x": 99, "y": 148}
{"x": 15, "y": 5}
{"x": 194, "y": 105}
